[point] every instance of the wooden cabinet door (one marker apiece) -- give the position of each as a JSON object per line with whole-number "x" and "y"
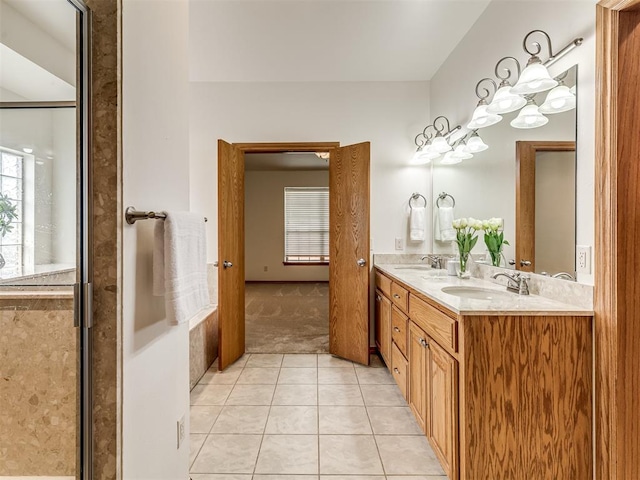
{"x": 230, "y": 254}
{"x": 418, "y": 355}
{"x": 349, "y": 254}
{"x": 443, "y": 407}
{"x": 383, "y": 327}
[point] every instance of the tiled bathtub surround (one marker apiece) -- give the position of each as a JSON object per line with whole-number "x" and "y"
{"x": 577, "y": 294}
{"x": 203, "y": 345}
{"x": 38, "y": 396}
{"x": 307, "y": 416}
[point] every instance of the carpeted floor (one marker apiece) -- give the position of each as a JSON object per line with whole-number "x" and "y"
{"x": 287, "y": 317}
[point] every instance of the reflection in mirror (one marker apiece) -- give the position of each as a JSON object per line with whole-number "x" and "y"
{"x": 38, "y": 144}
{"x": 485, "y": 186}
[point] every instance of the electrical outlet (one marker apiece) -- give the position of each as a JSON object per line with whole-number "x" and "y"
{"x": 266, "y": 269}
{"x": 399, "y": 245}
{"x": 181, "y": 431}
{"x": 583, "y": 259}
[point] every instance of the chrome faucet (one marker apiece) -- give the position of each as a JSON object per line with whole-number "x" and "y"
{"x": 565, "y": 275}
{"x": 436, "y": 261}
{"x": 517, "y": 282}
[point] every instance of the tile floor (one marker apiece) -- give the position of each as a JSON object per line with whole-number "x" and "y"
{"x": 305, "y": 417}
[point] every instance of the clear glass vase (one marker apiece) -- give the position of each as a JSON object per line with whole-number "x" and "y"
{"x": 464, "y": 269}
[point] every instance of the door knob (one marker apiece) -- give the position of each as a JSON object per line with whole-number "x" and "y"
{"x": 525, "y": 263}
{"x": 361, "y": 262}
{"x": 227, "y": 264}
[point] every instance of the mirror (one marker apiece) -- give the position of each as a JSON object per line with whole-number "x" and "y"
{"x": 38, "y": 142}
{"x": 527, "y": 177}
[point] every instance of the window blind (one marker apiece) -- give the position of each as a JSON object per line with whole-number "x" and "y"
{"x": 306, "y": 224}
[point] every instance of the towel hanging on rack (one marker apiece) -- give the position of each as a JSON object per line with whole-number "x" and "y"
{"x": 417, "y": 219}
{"x": 443, "y": 228}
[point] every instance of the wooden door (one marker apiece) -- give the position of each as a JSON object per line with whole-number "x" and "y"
{"x": 443, "y": 407}
{"x": 383, "y": 327}
{"x": 230, "y": 254}
{"x": 349, "y": 269}
{"x": 418, "y": 355}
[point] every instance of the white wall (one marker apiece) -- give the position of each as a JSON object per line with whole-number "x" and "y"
{"x": 388, "y": 114}
{"x": 264, "y": 225}
{"x": 499, "y": 32}
{"x": 155, "y": 172}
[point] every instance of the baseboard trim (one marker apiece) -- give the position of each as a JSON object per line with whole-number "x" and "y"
{"x": 286, "y": 281}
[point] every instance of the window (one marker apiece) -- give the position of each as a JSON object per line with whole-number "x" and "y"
{"x": 11, "y": 213}
{"x": 306, "y": 225}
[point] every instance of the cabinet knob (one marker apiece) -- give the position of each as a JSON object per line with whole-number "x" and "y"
{"x": 227, "y": 264}
{"x": 424, "y": 343}
{"x": 361, "y": 262}
{"x": 379, "y": 298}
{"x": 396, "y": 371}
{"x": 395, "y": 295}
{"x": 396, "y": 329}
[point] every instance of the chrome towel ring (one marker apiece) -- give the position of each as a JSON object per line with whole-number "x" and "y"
{"x": 417, "y": 196}
{"x": 444, "y": 196}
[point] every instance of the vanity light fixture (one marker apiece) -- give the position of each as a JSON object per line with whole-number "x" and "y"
{"x": 504, "y": 101}
{"x": 535, "y": 77}
{"x": 460, "y": 151}
{"x": 27, "y": 150}
{"x": 475, "y": 144}
{"x": 529, "y": 116}
{"x": 560, "y": 99}
{"x": 481, "y": 116}
{"x": 422, "y": 156}
{"x": 439, "y": 144}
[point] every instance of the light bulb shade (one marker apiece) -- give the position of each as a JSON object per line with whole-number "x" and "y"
{"x": 461, "y": 152}
{"x": 505, "y": 102}
{"x": 440, "y": 145}
{"x": 560, "y": 99}
{"x": 482, "y": 118}
{"x": 475, "y": 144}
{"x": 423, "y": 157}
{"x": 529, "y": 117}
{"x": 535, "y": 78}
{"x": 450, "y": 159}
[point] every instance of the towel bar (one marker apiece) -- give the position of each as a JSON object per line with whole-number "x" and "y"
{"x": 443, "y": 196}
{"x": 416, "y": 196}
{"x": 131, "y": 215}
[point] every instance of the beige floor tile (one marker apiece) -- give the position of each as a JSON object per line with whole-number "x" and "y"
{"x": 382, "y": 395}
{"x": 284, "y": 477}
{"x": 337, "y": 376}
{"x": 393, "y": 421}
{"x": 264, "y": 360}
{"x": 300, "y": 360}
{"x": 343, "y": 420}
{"x": 293, "y": 420}
{"x": 298, "y": 376}
{"x": 196, "y": 440}
{"x": 374, "y": 376}
{"x": 228, "y": 454}
{"x": 218, "y": 476}
{"x": 351, "y": 477}
{"x": 288, "y": 454}
{"x": 407, "y": 455}
{"x": 325, "y": 360}
{"x": 251, "y": 395}
{"x": 258, "y": 376}
{"x": 210, "y": 394}
{"x": 415, "y": 477}
{"x": 213, "y": 377}
{"x": 374, "y": 362}
{"x": 349, "y": 455}
{"x": 202, "y": 418}
{"x": 241, "y": 419}
{"x": 339, "y": 395}
{"x": 296, "y": 395}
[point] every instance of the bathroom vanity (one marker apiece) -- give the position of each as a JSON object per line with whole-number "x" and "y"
{"x": 500, "y": 383}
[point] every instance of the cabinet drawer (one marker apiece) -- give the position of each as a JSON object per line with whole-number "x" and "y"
{"x": 383, "y": 283}
{"x": 399, "y": 328}
{"x": 400, "y": 297}
{"x": 442, "y": 328}
{"x": 399, "y": 369}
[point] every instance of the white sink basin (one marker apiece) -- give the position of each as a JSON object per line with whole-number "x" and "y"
{"x": 477, "y": 293}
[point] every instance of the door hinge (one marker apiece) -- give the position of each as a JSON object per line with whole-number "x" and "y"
{"x": 83, "y": 305}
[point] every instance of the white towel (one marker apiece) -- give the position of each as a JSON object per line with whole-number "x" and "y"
{"x": 444, "y": 231}
{"x": 417, "y": 224}
{"x": 180, "y": 265}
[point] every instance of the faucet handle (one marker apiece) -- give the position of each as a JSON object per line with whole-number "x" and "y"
{"x": 523, "y": 286}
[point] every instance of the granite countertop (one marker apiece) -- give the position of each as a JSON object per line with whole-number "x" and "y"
{"x": 422, "y": 281}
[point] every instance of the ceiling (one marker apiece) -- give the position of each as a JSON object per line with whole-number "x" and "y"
{"x": 284, "y": 161}
{"x": 325, "y": 40}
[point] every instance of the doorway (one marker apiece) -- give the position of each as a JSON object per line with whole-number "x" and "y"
{"x": 348, "y": 246}
{"x": 287, "y": 252}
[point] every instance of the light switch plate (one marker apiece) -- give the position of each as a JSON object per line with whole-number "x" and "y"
{"x": 399, "y": 245}
{"x": 583, "y": 259}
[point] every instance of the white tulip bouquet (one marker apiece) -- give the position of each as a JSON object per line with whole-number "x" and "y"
{"x": 494, "y": 239}
{"x": 466, "y": 238}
